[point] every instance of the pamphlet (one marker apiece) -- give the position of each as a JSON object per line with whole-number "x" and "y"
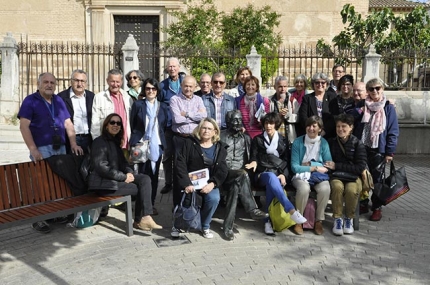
{"x": 199, "y": 178}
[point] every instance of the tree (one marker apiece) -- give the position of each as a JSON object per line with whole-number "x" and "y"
{"x": 202, "y": 30}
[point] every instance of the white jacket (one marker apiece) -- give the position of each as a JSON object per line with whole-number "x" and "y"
{"x": 103, "y": 106}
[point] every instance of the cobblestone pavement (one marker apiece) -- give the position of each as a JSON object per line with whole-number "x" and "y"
{"x": 395, "y": 250}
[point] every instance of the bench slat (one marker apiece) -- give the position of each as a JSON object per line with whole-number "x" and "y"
{"x": 4, "y": 198}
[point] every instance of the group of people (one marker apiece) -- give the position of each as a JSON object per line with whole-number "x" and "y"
{"x": 241, "y": 137}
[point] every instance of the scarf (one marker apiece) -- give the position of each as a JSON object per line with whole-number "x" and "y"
{"x": 133, "y": 93}
{"x": 240, "y": 89}
{"x": 272, "y": 147}
{"x": 298, "y": 96}
{"x": 377, "y": 122}
{"x": 250, "y": 105}
{"x": 154, "y": 148}
{"x": 312, "y": 154}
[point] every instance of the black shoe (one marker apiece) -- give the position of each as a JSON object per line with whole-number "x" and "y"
{"x": 229, "y": 235}
{"x": 257, "y": 214}
{"x": 257, "y": 200}
{"x": 104, "y": 212}
{"x": 166, "y": 189}
{"x": 41, "y": 227}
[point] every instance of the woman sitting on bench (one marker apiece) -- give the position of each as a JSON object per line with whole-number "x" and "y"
{"x": 113, "y": 176}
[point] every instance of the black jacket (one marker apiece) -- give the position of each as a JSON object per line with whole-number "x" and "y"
{"x": 108, "y": 165}
{"x": 190, "y": 158}
{"x": 269, "y": 162}
{"x": 355, "y": 158}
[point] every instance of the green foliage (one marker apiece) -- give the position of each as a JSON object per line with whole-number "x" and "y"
{"x": 204, "y": 37}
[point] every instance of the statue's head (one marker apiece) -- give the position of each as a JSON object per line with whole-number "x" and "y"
{"x": 234, "y": 121}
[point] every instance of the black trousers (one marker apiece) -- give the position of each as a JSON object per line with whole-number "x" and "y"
{"x": 375, "y": 161}
{"x": 146, "y": 168}
{"x": 141, "y": 188}
{"x": 178, "y": 142}
{"x": 237, "y": 184}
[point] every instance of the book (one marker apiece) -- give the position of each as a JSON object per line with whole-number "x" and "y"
{"x": 199, "y": 178}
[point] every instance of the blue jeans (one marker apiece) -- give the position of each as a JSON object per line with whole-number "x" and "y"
{"x": 274, "y": 189}
{"x": 47, "y": 151}
{"x": 209, "y": 205}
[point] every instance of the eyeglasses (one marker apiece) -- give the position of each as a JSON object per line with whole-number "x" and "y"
{"x": 207, "y": 129}
{"x": 79, "y": 81}
{"x": 377, "y": 88}
{"x": 357, "y": 90}
{"x": 347, "y": 84}
{"x": 215, "y": 82}
{"x": 205, "y": 82}
{"x": 150, "y": 89}
{"x": 134, "y": 77}
{"x": 118, "y": 123}
{"x": 320, "y": 82}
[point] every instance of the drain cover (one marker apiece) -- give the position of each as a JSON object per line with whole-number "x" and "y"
{"x": 165, "y": 242}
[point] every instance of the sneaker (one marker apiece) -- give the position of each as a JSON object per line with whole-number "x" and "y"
{"x": 41, "y": 227}
{"x": 349, "y": 227}
{"x": 207, "y": 233}
{"x": 268, "y": 230}
{"x": 376, "y": 215}
{"x": 175, "y": 233}
{"x": 338, "y": 227}
{"x": 298, "y": 218}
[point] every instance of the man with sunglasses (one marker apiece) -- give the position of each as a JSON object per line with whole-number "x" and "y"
{"x": 79, "y": 103}
{"x": 218, "y": 103}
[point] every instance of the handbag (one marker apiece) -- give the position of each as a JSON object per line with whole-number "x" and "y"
{"x": 344, "y": 176}
{"x": 140, "y": 152}
{"x": 281, "y": 220}
{"x": 309, "y": 214}
{"x": 186, "y": 218}
{"x": 392, "y": 187}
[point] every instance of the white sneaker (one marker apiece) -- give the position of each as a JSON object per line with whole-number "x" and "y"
{"x": 348, "y": 227}
{"x": 175, "y": 233}
{"x": 207, "y": 233}
{"x": 338, "y": 227}
{"x": 268, "y": 230}
{"x": 298, "y": 218}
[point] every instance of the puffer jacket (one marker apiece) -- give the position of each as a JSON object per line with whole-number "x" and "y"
{"x": 355, "y": 158}
{"x": 108, "y": 164}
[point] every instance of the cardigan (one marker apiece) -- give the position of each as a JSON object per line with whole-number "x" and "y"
{"x": 298, "y": 151}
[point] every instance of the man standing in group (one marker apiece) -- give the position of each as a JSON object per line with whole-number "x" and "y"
{"x": 44, "y": 122}
{"x": 238, "y": 182}
{"x": 359, "y": 91}
{"x": 337, "y": 72}
{"x": 112, "y": 100}
{"x": 170, "y": 87}
{"x": 79, "y": 103}
{"x": 205, "y": 85}
{"x": 187, "y": 111}
{"x": 217, "y": 102}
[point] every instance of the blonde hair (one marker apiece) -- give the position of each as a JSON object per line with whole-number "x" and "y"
{"x": 196, "y": 131}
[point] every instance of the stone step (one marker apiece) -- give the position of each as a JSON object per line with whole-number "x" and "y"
{"x": 9, "y": 130}
{"x": 12, "y": 146}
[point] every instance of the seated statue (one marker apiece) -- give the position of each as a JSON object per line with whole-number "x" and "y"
{"x": 238, "y": 183}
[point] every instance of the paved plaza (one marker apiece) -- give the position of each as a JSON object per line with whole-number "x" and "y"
{"x": 395, "y": 250}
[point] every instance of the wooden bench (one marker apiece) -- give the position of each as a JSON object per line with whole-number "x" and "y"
{"x": 291, "y": 192}
{"x": 32, "y": 192}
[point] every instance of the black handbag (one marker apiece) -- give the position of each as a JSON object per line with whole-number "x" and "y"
{"x": 344, "y": 176}
{"x": 388, "y": 189}
{"x": 186, "y": 218}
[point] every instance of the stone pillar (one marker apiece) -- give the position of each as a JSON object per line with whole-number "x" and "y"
{"x": 371, "y": 64}
{"x": 253, "y": 60}
{"x": 9, "y": 99}
{"x": 129, "y": 57}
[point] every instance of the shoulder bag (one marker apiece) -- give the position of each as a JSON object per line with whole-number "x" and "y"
{"x": 186, "y": 218}
{"x": 392, "y": 187}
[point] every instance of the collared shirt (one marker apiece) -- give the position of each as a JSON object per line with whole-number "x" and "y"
{"x": 119, "y": 107}
{"x": 218, "y": 111}
{"x": 194, "y": 107}
{"x": 80, "y": 120}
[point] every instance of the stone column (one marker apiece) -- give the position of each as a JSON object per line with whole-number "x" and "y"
{"x": 129, "y": 57}
{"x": 253, "y": 60}
{"x": 371, "y": 64}
{"x": 9, "y": 99}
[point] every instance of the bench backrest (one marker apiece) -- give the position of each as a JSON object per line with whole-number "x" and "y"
{"x": 26, "y": 183}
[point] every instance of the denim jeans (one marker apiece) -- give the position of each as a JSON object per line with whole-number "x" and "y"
{"x": 209, "y": 205}
{"x": 274, "y": 189}
{"x": 47, "y": 151}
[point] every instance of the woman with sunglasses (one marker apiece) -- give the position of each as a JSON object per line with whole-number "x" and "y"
{"x": 112, "y": 176}
{"x": 134, "y": 82}
{"x": 379, "y": 131}
{"x": 148, "y": 121}
{"x": 316, "y": 103}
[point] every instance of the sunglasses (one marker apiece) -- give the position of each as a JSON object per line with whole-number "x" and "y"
{"x": 134, "y": 77}
{"x": 320, "y": 82}
{"x": 150, "y": 89}
{"x": 118, "y": 123}
{"x": 216, "y": 82}
{"x": 371, "y": 89}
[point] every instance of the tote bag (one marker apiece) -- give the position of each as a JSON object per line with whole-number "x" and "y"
{"x": 392, "y": 187}
{"x": 186, "y": 218}
{"x": 281, "y": 220}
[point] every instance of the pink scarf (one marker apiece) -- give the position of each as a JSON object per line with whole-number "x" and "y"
{"x": 379, "y": 121}
{"x": 298, "y": 96}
